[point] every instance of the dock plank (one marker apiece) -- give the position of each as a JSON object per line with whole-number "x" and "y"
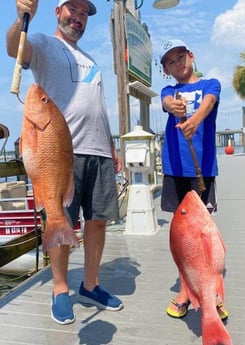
{"x": 140, "y": 270}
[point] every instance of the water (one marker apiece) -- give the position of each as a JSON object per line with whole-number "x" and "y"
{"x": 8, "y": 282}
{"x": 238, "y": 150}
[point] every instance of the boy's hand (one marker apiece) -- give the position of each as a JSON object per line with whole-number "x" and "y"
{"x": 178, "y": 107}
{"x": 187, "y": 127}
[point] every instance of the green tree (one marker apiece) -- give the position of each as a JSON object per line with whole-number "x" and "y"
{"x": 239, "y": 78}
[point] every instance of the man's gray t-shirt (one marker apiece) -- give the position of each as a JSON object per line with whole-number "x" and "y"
{"x": 73, "y": 81}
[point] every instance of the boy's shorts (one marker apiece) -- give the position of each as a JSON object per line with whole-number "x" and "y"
{"x": 174, "y": 189}
{"x": 95, "y": 189}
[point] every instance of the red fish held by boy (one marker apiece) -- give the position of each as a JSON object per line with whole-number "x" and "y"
{"x": 199, "y": 253}
{"x": 46, "y": 148}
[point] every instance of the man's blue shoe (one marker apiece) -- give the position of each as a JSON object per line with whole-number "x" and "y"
{"x": 61, "y": 309}
{"x": 101, "y": 298}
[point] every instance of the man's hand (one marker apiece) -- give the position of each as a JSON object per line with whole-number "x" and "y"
{"x": 26, "y": 6}
{"x": 117, "y": 161}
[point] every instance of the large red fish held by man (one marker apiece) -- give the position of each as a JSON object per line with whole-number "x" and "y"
{"x": 199, "y": 253}
{"x": 46, "y": 148}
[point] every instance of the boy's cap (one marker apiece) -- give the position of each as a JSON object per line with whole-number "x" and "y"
{"x": 92, "y": 8}
{"x": 171, "y": 44}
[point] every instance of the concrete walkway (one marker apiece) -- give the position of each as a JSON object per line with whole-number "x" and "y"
{"x": 140, "y": 270}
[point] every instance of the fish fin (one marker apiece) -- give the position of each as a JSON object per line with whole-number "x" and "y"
{"x": 38, "y": 204}
{"x": 210, "y": 242}
{"x": 207, "y": 245}
{"x": 220, "y": 287}
{"x": 191, "y": 296}
{"x": 41, "y": 121}
{"x": 194, "y": 301}
{"x": 39, "y": 207}
{"x": 68, "y": 197}
{"x": 214, "y": 332}
{"x": 38, "y": 200}
{"x": 59, "y": 233}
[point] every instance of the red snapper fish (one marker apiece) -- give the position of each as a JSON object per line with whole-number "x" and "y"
{"x": 46, "y": 148}
{"x": 199, "y": 253}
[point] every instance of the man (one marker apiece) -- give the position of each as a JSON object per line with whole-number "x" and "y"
{"x": 73, "y": 81}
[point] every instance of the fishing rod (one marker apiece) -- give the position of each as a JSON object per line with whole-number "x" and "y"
{"x": 15, "y": 86}
{"x": 15, "y": 89}
{"x": 200, "y": 181}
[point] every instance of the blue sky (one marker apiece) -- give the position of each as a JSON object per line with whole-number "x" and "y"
{"x": 214, "y": 31}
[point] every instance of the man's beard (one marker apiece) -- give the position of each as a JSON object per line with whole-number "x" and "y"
{"x": 65, "y": 28}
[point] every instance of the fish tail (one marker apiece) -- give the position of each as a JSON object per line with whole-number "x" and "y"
{"x": 58, "y": 233}
{"x": 214, "y": 332}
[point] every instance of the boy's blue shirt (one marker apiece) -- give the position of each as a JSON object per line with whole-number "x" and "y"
{"x": 176, "y": 155}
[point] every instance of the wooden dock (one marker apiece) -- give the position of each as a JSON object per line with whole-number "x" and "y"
{"x": 140, "y": 270}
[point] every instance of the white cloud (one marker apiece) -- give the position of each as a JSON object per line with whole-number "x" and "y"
{"x": 229, "y": 27}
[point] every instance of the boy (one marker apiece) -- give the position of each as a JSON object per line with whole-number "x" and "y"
{"x": 192, "y": 106}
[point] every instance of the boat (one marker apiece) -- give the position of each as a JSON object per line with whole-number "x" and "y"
{"x": 17, "y": 205}
{"x": 17, "y": 210}
{"x": 18, "y": 219}
{"x": 20, "y": 223}
{"x": 18, "y": 216}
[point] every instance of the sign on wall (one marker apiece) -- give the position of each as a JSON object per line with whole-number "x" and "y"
{"x": 139, "y": 50}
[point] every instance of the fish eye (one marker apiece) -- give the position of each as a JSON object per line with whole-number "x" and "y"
{"x": 45, "y": 100}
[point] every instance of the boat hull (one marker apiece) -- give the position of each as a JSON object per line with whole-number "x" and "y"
{"x": 17, "y": 223}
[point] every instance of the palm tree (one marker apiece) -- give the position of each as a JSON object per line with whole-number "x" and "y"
{"x": 239, "y": 78}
